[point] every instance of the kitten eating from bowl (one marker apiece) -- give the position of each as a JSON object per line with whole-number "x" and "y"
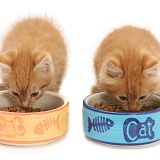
{"x": 127, "y": 66}
{"x": 32, "y": 60}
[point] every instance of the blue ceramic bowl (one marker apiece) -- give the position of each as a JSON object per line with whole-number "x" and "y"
{"x": 120, "y": 128}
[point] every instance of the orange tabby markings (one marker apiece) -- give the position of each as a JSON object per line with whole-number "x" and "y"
{"x": 33, "y": 59}
{"x": 127, "y": 66}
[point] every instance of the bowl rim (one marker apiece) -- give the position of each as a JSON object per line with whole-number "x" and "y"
{"x": 85, "y": 104}
{"x": 65, "y": 104}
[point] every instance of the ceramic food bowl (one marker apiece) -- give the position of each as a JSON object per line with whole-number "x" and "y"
{"x": 35, "y": 127}
{"x": 120, "y": 128}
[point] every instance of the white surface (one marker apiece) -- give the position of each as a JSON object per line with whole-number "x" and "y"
{"x": 84, "y": 24}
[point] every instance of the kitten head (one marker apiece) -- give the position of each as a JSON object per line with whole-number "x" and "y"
{"x": 130, "y": 78}
{"x": 26, "y": 75}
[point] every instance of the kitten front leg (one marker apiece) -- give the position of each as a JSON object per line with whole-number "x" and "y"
{"x": 54, "y": 87}
{"x": 96, "y": 88}
{"x": 2, "y": 87}
{"x": 157, "y": 91}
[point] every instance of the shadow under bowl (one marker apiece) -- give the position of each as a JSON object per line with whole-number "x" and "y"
{"x": 34, "y": 128}
{"x": 120, "y": 128}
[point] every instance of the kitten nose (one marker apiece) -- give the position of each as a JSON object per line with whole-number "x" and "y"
{"x": 133, "y": 107}
{"x": 25, "y": 104}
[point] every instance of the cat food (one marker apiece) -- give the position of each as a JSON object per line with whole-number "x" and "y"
{"x": 115, "y": 108}
{"x": 21, "y": 109}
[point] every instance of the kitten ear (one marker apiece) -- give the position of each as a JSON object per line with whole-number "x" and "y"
{"x": 7, "y": 59}
{"x": 152, "y": 71}
{"x": 113, "y": 71}
{"x": 5, "y": 68}
{"x": 44, "y": 65}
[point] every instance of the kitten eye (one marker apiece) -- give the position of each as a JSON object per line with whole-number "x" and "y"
{"x": 141, "y": 97}
{"x": 123, "y": 98}
{"x": 35, "y": 94}
{"x": 15, "y": 94}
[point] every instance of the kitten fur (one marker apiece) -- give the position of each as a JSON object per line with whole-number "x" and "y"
{"x": 127, "y": 66}
{"x": 33, "y": 59}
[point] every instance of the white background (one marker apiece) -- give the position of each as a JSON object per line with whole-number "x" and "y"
{"x": 84, "y": 23}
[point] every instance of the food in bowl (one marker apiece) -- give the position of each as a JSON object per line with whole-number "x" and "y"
{"x": 21, "y": 109}
{"x": 118, "y": 108}
{"x": 34, "y": 128}
{"x": 112, "y": 108}
{"x": 120, "y": 128}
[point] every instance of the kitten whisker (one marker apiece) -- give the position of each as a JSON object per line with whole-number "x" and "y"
{"x": 150, "y": 103}
{"x": 43, "y": 104}
{"x": 40, "y": 102}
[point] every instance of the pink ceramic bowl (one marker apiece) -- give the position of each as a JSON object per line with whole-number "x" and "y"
{"x": 35, "y": 127}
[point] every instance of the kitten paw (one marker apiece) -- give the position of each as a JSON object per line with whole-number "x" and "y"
{"x": 2, "y": 87}
{"x": 96, "y": 89}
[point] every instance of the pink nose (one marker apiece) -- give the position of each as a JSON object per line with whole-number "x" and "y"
{"x": 25, "y": 104}
{"x": 133, "y": 107}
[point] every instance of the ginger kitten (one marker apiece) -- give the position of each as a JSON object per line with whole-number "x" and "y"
{"x": 33, "y": 59}
{"x": 127, "y": 66}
